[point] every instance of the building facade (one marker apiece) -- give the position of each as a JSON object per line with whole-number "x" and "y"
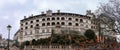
{"x": 41, "y": 26}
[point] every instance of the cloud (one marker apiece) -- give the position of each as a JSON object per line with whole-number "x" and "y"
{"x": 12, "y": 11}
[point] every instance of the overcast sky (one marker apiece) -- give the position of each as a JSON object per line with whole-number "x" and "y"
{"x": 12, "y": 11}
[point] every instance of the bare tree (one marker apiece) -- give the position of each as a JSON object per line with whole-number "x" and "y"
{"x": 112, "y": 10}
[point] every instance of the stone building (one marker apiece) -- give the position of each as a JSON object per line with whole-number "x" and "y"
{"x": 41, "y": 26}
{"x": 4, "y": 43}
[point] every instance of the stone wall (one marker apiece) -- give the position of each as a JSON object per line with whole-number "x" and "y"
{"x": 51, "y": 48}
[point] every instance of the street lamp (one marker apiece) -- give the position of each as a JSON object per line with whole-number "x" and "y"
{"x": 8, "y": 27}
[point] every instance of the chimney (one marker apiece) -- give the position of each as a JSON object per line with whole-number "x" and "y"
{"x": 31, "y": 15}
{"x": 42, "y": 12}
{"x": 49, "y": 12}
{"x": 24, "y": 17}
{"x": 88, "y": 12}
{"x": 58, "y": 11}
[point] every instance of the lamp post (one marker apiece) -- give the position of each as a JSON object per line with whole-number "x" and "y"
{"x": 8, "y": 27}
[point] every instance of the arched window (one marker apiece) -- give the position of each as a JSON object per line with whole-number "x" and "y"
{"x": 62, "y": 18}
{"x": 43, "y": 24}
{"x": 37, "y": 24}
{"x": 48, "y": 24}
{"x": 58, "y": 23}
{"x": 53, "y": 18}
{"x": 48, "y": 19}
{"x": 69, "y": 23}
{"x": 37, "y": 20}
{"x": 53, "y": 23}
{"x": 89, "y": 17}
{"x": 69, "y": 18}
{"x": 81, "y": 20}
{"x": 76, "y": 19}
{"x": 92, "y": 27}
{"x": 58, "y": 18}
{"x": 21, "y": 28}
{"x": 26, "y": 23}
{"x": 76, "y": 24}
{"x": 31, "y": 26}
{"x": 26, "y": 27}
{"x": 43, "y": 19}
{"x": 21, "y": 24}
{"x": 31, "y": 21}
{"x": 62, "y": 23}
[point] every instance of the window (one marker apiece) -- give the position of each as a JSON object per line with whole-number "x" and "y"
{"x": 92, "y": 27}
{"x": 21, "y": 24}
{"x": 53, "y": 23}
{"x": 21, "y": 28}
{"x": 48, "y": 19}
{"x": 70, "y": 24}
{"x": 26, "y": 27}
{"x": 69, "y": 18}
{"x": 48, "y": 24}
{"x": 48, "y": 30}
{"x": 31, "y": 26}
{"x": 37, "y": 20}
{"x": 26, "y": 23}
{"x": 43, "y": 19}
{"x": 37, "y": 31}
{"x": 25, "y": 33}
{"x": 76, "y": 24}
{"x": 58, "y": 23}
{"x": 37, "y": 24}
{"x": 31, "y": 21}
{"x": 81, "y": 20}
{"x": 76, "y": 19}
{"x": 89, "y": 17}
{"x": 53, "y": 18}
{"x": 43, "y": 31}
{"x": 62, "y": 18}
{"x": 30, "y": 32}
{"x": 43, "y": 24}
{"x": 58, "y": 18}
{"x": 63, "y": 23}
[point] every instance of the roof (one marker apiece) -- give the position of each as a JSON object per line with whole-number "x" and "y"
{"x": 61, "y": 13}
{"x": 17, "y": 32}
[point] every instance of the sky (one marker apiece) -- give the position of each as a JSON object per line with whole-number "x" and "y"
{"x": 12, "y": 11}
